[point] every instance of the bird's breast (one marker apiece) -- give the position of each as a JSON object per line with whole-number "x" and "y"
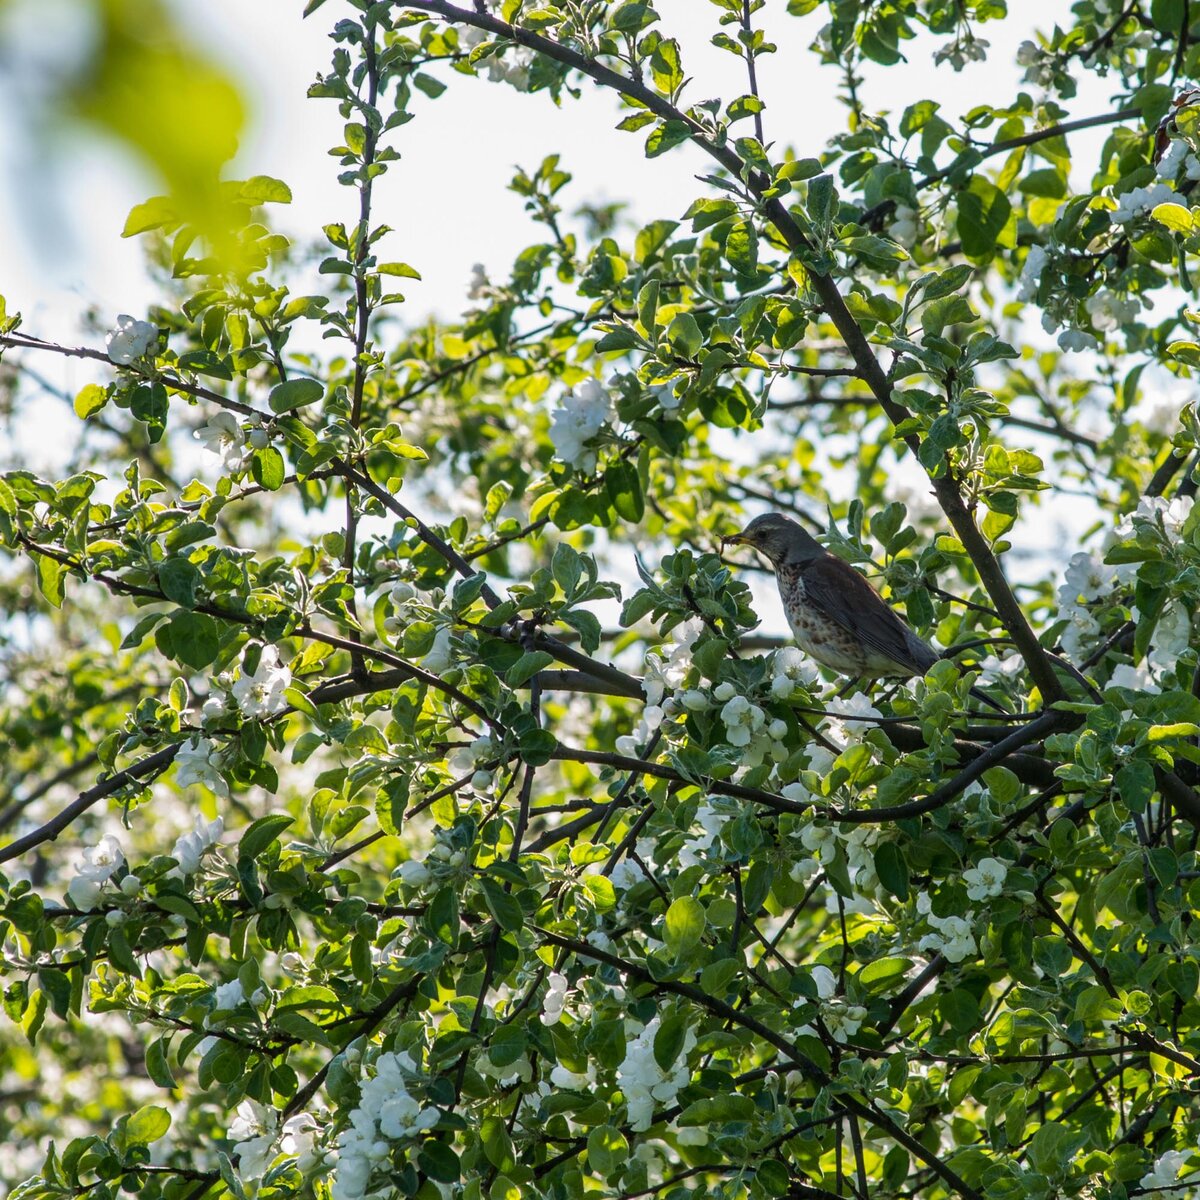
{"x": 818, "y": 635}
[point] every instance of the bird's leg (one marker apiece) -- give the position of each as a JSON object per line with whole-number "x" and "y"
{"x": 847, "y": 687}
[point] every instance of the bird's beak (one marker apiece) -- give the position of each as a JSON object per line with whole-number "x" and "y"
{"x": 735, "y": 539}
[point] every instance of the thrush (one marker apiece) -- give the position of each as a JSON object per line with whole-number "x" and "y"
{"x": 836, "y": 616}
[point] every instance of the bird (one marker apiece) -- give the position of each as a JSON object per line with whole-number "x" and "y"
{"x": 836, "y": 616}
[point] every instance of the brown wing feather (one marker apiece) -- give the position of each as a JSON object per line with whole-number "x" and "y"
{"x": 842, "y": 594}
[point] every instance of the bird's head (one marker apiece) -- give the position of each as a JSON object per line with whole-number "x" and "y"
{"x": 778, "y": 537}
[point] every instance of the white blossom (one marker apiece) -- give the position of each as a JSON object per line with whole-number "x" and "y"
{"x": 228, "y": 996}
{"x": 1075, "y": 340}
{"x": 790, "y": 668}
{"x": 1109, "y": 311}
{"x": 985, "y": 879}
{"x": 1135, "y": 678}
{"x": 1172, "y": 636}
{"x": 643, "y": 1082}
{"x": 962, "y": 51}
{"x": 1080, "y": 634}
{"x": 822, "y": 840}
{"x": 1164, "y": 1180}
{"x": 223, "y": 437}
{"x": 743, "y": 720}
{"x": 952, "y": 936}
{"x": 555, "y": 999}
{"x": 1038, "y": 63}
{"x": 262, "y": 694}
{"x": 190, "y": 848}
{"x": 1031, "y": 273}
{"x": 1087, "y": 577}
{"x": 1179, "y": 156}
{"x": 199, "y": 761}
{"x": 130, "y": 340}
{"x": 629, "y": 872}
{"x": 579, "y": 417}
{"x": 94, "y": 870}
{"x": 413, "y": 872}
{"x": 512, "y": 67}
{"x": 906, "y": 227}
{"x": 299, "y": 1141}
{"x": 479, "y": 283}
{"x": 1141, "y": 201}
{"x": 846, "y": 733}
{"x": 508, "y": 1075}
{"x": 711, "y": 821}
{"x": 667, "y": 398}
{"x": 1151, "y": 509}
{"x": 254, "y": 1130}
{"x": 574, "y": 1081}
{"x": 440, "y": 657}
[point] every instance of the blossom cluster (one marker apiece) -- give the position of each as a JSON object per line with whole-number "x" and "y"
{"x": 839, "y": 1016}
{"x": 1089, "y": 581}
{"x": 576, "y": 420}
{"x": 259, "y": 1140}
{"x": 387, "y": 1112}
{"x": 643, "y": 1082}
{"x": 256, "y": 694}
{"x": 662, "y": 680}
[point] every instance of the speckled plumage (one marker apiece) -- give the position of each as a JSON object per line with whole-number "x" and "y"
{"x": 836, "y": 616}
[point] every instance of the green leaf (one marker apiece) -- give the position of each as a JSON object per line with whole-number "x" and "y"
{"x": 154, "y": 213}
{"x": 725, "y": 1106}
{"x": 497, "y": 1145}
{"x": 527, "y": 666}
{"x": 294, "y": 393}
{"x": 90, "y": 399}
{"x": 505, "y": 909}
{"x": 190, "y": 638}
{"x": 665, "y": 136}
{"x": 178, "y": 577}
{"x": 1175, "y": 217}
{"x": 684, "y": 925}
{"x": 268, "y": 468}
{"x": 260, "y": 834}
{"x": 50, "y": 574}
{"x": 158, "y": 1065}
{"x": 983, "y": 211}
{"x": 685, "y": 336}
{"x": 892, "y": 869}
{"x": 607, "y": 1150}
{"x": 262, "y": 189}
{"x": 624, "y": 488}
{"x": 741, "y": 248}
{"x": 147, "y": 1125}
{"x": 648, "y": 307}
{"x": 441, "y": 918}
{"x": 439, "y": 1162}
{"x": 402, "y": 270}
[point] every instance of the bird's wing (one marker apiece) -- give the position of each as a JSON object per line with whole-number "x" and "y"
{"x": 842, "y": 594}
